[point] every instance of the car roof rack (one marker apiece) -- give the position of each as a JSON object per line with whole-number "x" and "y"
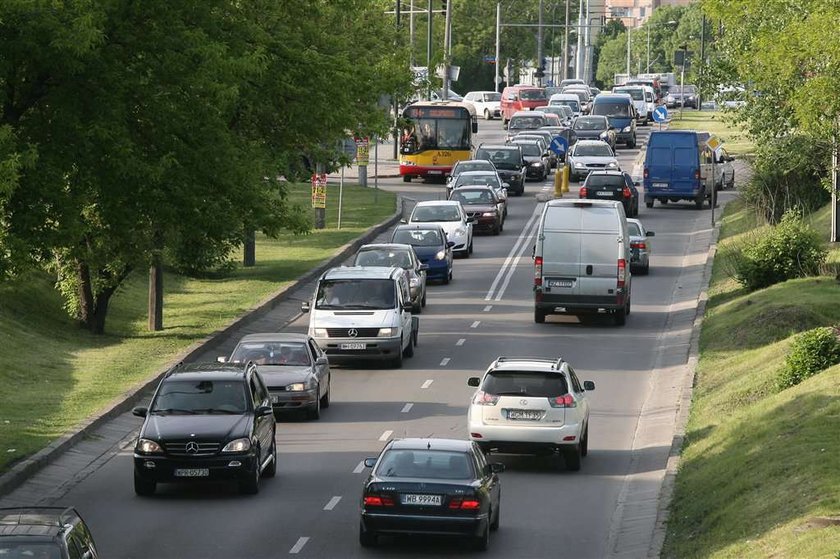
{"x": 555, "y": 363}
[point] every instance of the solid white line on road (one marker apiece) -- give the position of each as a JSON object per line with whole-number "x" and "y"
{"x": 407, "y": 408}
{"x": 487, "y": 308}
{"x": 299, "y": 545}
{"x": 460, "y": 342}
{"x": 386, "y": 435}
{"x": 427, "y": 384}
{"x": 475, "y": 324}
{"x": 359, "y": 467}
{"x": 333, "y": 502}
{"x": 514, "y": 250}
{"x": 515, "y": 263}
{"x": 444, "y": 362}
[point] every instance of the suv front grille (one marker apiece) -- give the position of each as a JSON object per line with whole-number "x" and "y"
{"x": 192, "y": 448}
{"x": 345, "y": 332}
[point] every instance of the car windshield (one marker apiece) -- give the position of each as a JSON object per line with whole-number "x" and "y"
{"x": 489, "y": 97}
{"x": 501, "y": 158}
{"x": 636, "y": 94}
{"x": 590, "y": 123}
{"x": 582, "y": 95}
{"x": 633, "y": 229}
{"x": 530, "y": 149}
{"x": 272, "y": 353}
{"x": 428, "y": 464}
{"x": 605, "y": 180}
{"x": 374, "y": 294}
{"x": 384, "y": 257}
{"x": 573, "y": 105}
{"x": 418, "y": 237}
{"x": 472, "y": 196}
{"x": 472, "y": 166}
{"x": 525, "y": 383}
{"x": 612, "y": 109}
{"x": 12, "y": 549}
{"x": 435, "y": 213}
{"x": 483, "y": 180}
{"x": 687, "y": 89}
{"x": 526, "y": 122}
{"x": 200, "y": 396}
{"x": 593, "y": 150}
{"x": 532, "y": 94}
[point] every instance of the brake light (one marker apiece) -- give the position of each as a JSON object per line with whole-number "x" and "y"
{"x": 583, "y": 192}
{"x": 647, "y": 173}
{"x": 378, "y": 501}
{"x": 482, "y": 398}
{"x": 627, "y": 193}
{"x": 622, "y": 273}
{"x": 457, "y": 503}
{"x": 697, "y": 174}
{"x": 642, "y": 245}
{"x": 538, "y": 271}
{"x": 565, "y": 401}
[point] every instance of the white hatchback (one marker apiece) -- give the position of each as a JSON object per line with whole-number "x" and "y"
{"x": 486, "y": 103}
{"x": 451, "y": 216}
{"x": 531, "y": 405}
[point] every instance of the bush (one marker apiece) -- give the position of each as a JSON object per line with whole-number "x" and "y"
{"x": 811, "y": 352}
{"x": 791, "y": 249}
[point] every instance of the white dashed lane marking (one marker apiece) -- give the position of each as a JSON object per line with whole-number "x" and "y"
{"x": 444, "y": 362}
{"x": 460, "y": 342}
{"x": 333, "y": 502}
{"x": 299, "y": 545}
{"x": 487, "y": 308}
{"x": 386, "y": 435}
{"x": 359, "y": 467}
{"x": 407, "y": 408}
{"x": 427, "y": 384}
{"x": 475, "y": 324}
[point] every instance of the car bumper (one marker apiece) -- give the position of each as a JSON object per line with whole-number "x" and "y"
{"x": 438, "y": 269}
{"x": 569, "y": 304}
{"x": 516, "y": 184}
{"x": 519, "y": 439}
{"x": 375, "y": 348}
{"x": 425, "y": 171}
{"x": 485, "y": 224}
{"x": 535, "y": 172}
{"x": 623, "y": 136}
{"x": 380, "y": 523}
{"x": 162, "y": 469}
{"x": 639, "y": 259}
{"x": 292, "y": 401}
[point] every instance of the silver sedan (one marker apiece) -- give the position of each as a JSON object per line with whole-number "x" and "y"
{"x": 639, "y": 246}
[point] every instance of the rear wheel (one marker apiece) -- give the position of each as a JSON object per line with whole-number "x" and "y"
{"x": 418, "y": 308}
{"x": 649, "y": 204}
{"x": 482, "y": 542}
{"x": 406, "y": 178}
{"x": 698, "y": 201}
{"x": 620, "y": 317}
{"x": 271, "y": 469}
{"x": 539, "y": 316}
{"x": 366, "y": 539}
{"x": 498, "y": 516}
{"x": 572, "y": 457}
{"x": 584, "y": 443}
{"x": 143, "y": 487}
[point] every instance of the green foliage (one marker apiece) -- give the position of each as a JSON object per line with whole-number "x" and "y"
{"x": 810, "y": 353}
{"x": 791, "y": 249}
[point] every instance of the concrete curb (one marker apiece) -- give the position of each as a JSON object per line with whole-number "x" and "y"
{"x": 18, "y": 473}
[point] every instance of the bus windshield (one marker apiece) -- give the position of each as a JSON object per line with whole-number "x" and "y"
{"x": 433, "y": 128}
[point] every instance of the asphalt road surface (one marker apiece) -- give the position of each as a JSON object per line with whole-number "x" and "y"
{"x": 311, "y": 508}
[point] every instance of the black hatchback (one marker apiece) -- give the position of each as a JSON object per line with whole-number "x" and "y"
{"x": 612, "y": 185}
{"x": 206, "y": 422}
{"x": 431, "y": 486}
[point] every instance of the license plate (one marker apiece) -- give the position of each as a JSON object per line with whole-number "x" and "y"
{"x": 660, "y": 185}
{"x": 434, "y": 500}
{"x": 357, "y": 345}
{"x": 529, "y": 415}
{"x": 604, "y": 193}
{"x": 192, "y": 472}
{"x": 561, "y": 283}
{"x": 434, "y": 172}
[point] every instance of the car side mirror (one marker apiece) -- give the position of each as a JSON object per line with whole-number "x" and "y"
{"x": 588, "y": 385}
{"x": 637, "y": 183}
{"x": 423, "y": 267}
{"x": 450, "y": 244}
{"x": 407, "y": 306}
{"x": 470, "y": 220}
{"x": 140, "y": 411}
{"x": 322, "y": 360}
{"x": 403, "y": 221}
{"x": 304, "y": 307}
{"x": 495, "y": 467}
{"x": 505, "y": 185}
{"x": 650, "y": 234}
{"x": 221, "y": 359}
{"x": 262, "y": 411}
{"x": 473, "y": 381}
{"x": 370, "y": 462}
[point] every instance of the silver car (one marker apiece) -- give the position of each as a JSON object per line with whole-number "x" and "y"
{"x": 640, "y": 248}
{"x": 590, "y": 155}
{"x": 293, "y": 367}
{"x": 481, "y": 178}
{"x": 401, "y": 256}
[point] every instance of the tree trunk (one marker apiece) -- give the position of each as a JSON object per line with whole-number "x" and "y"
{"x": 86, "y": 302}
{"x": 249, "y": 257}
{"x": 156, "y": 296}
{"x": 93, "y": 308}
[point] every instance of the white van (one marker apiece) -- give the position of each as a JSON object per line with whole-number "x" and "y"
{"x": 638, "y": 95}
{"x": 363, "y": 313}
{"x": 582, "y": 260}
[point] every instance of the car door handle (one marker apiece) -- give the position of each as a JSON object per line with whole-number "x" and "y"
{"x": 589, "y": 269}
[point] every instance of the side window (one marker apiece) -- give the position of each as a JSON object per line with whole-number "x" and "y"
{"x": 404, "y": 290}
{"x": 480, "y": 461}
{"x": 254, "y": 387}
{"x": 314, "y": 350}
{"x": 575, "y": 382}
{"x": 74, "y": 546}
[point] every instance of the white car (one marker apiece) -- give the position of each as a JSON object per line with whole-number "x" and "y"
{"x": 451, "y": 216}
{"x": 531, "y": 405}
{"x": 486, "y": 103}
{"x": 569, "y": 99}
{"x": 590, "y": 155}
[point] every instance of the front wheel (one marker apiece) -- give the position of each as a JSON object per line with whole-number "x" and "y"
{"x": 142, "y": 487}
{"x": 409, "y": 349}
{"x": 251, "y": 485}
{"x": 487, "y": 115}
{"x": 315, "y": 411}
{"x": 406, "y": 178}
{"x": 271, "y": 469}
{"x": 325, "y": 400}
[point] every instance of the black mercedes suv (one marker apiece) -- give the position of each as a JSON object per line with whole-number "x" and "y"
{"x": 206, "y": 422}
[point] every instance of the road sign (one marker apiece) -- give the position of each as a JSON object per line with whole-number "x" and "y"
{"x": 319, "y": 190}
{"x": 362, "y": 151}
{"x": 660, "y": 114}
{"x": 714, "y": 143}
{"x": 559, "y": 145}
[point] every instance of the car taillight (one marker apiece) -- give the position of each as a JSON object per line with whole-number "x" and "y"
{"x": 642, "y": 246}
{"x": 378, "y": 501}
{"x": 622, "y": 273}
{"x": 627, "y": 193}
{"x": 582, "y": 193}
{"x": 457, "y": 503}
{"x": 538, "y": 271}
{"x": 697, "y": 174}
{"x": 482, "y": 398}
{"x": 647, "y": 173}
{"x": 564, "y": 401}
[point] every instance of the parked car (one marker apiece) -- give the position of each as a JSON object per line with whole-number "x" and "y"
{"x": 508, "y": 161}
{"x": 402, "y": 256}
{"x": 470, "y": 165}
{"x": 45, "y": 532}
{"x": 486, "y": 103}
{"x": 481, "y": 178}
{"x": 536, "y": 156}
{"x": 483, "y": 206}
{"x": 590, "y": 155}
{"x": 431, "y": 486}
{"x": 619, "y": 110}
{"x": 433, "y": 249}
{"x": 640, "y": 246}
{"x": 452, "y": 217}
{"x": 293, "y": 368}
{"x": 612, "y": 185}
{"x": 206, "y": 422}
{"x": 595, "y": 128}
{"x": 727, "y": 172}
{"x": 531, "y": 405}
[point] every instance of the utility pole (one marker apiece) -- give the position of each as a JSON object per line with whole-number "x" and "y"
{"x": 447, "y": 32}
{"x": 540, "y": 66}
{"x": 628, "y": 53}
{"x": 429, "y": 54}
{"x": 396, "y": 104}
{"x": 835, "y": 184}
{"x": 411, "y": 33}
{"x": 566, "y": 44}
{"x": 496, "y": 80}
{"x": 579, "y": 53}
{"x": 586, "y": 38}
{"x": 702, "y": 58}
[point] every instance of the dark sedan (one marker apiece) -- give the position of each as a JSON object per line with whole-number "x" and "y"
{"x": 536, "y": 156}
{"x": 293, "y": 367}
{"x": 612, "y": 185}
{"x": 430, "y": 245}
{"x": 431, "y": 486}
{"x": 483, "y": 205}
{"x": 595, "y": 128}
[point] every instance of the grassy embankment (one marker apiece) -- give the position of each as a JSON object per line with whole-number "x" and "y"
{"x": 760, "y": 471}
{"x": 55, "y": 374}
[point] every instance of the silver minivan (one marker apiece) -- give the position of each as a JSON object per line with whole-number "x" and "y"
{"x": 363, "y": 313}
{"x": 582, "y": 260}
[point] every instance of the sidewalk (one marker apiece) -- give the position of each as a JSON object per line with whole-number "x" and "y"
{"x": 381, "y": 164}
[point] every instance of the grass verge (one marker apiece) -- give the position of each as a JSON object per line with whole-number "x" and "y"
{"x": 54, "y": 374}
{"x": 760, "y": 470}
{"x": 736, "y": 141}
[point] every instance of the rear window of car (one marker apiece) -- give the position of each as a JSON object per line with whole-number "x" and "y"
{"x": 428, "y": 464}
{"x": 525, "y": 383}
{"x": 418, "y": 237}
{"x": 605, "y": 180}
{"x": 633, "y": 229}
{"x": 42, "y": 550}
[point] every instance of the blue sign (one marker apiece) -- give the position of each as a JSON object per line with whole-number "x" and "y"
{"x": 660, "y": 114}
{"x": 559, "y": 145}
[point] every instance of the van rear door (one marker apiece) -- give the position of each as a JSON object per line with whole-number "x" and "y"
{"x": 685, "y": 169}
{"x": 560, "y": 238}
{"x": 599, "y": 252}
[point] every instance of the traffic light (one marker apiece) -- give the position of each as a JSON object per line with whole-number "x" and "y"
{"x": 540, "y": 73}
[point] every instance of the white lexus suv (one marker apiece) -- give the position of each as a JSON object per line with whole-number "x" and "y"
{"x": 531, "y": 405}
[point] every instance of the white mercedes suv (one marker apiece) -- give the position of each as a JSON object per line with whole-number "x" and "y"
{"x": 531, "y": 405}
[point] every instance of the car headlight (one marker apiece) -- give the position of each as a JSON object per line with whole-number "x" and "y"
{"x": 603, "y": 135}
{"x": 626, "y": 129}
{"x": 440, "y": 255}
{"x": 612, "y": 164}
{"x": 414, "y": 282}
{"x": 536, "y": 164}
{"x": 489, "y": 214}
{"x": 147, "y": 446}
{"x": 319, "y": 332}
{"x": 387, "y": 332}
{"x": 459, "y": 232}
{"x": 580, "y": 165}
{"x": 297, "y": 387}
{"x": 670, "y": 98}
{"x": 238, "y": 445}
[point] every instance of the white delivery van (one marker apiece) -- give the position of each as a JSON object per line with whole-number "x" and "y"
{"x": 582, "y": 260}
{"x": 363, "y": 313}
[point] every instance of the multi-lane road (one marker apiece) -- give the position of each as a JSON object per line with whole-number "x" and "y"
{"x": 312, "y": 507}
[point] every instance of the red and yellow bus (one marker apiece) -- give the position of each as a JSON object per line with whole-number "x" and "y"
{"x": 436, "y": 135}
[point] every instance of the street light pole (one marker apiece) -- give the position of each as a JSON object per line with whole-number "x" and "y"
{"x": 496, "y": 80}
{"x": 540, "y": 69}
{"x": 579, "y": 53}
{"x": 628, "y": 53}
{"x": 429, "y": 54}
{"x": 566, "y": 44}
{"x": 447, "y": 37}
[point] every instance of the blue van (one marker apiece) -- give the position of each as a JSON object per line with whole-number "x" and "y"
{"x": 621, "y": 113}
{"x": 676, "y": 168}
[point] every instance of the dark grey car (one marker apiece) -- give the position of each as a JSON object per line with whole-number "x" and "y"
{"x": 595, "y": 127}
